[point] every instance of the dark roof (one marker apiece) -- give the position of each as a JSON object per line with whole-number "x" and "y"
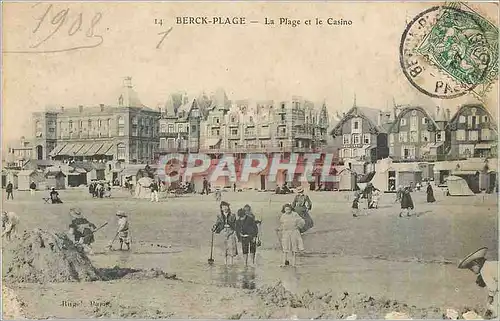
{"x": 43, "y": 162}
{"x": 88, "y": 166}
{"x": 371, "y": 114}
{"x": 54, "y": 174}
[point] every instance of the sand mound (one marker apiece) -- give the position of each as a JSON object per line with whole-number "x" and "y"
{"x": 11, "y": 306}
{"x": 40, "y": 256}
{"x": 332, "y": 306}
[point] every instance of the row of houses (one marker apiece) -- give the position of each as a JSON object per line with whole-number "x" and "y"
{"x": 414, "y": 133}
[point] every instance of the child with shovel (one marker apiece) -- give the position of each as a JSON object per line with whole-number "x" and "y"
{"x": 81, "y": 229}
{"x": 123, "y": 231}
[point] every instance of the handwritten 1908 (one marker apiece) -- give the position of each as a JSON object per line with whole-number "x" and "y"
{"x": 78, "y": 24}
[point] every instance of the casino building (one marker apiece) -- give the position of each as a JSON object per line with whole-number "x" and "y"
{"x": 126, "y": 132}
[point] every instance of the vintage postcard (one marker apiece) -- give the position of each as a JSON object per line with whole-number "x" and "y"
{"x": 250, "y": 160}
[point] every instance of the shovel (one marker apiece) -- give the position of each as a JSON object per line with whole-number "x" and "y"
{"x": 100, "y": 227}
{"x": 110, "y": 245}
{"x": 211, "y": 260}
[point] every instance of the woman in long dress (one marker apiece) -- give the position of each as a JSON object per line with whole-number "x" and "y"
{"x": 406, "y": 202}
{"x": 291, "y": 240}
{"x": 302, "y": 205}
{"x": 430, "y": 194}
{"x": 226, "y": 226}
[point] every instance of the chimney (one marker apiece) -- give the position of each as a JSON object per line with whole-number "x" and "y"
{"x": 101, "y": 106}
{"x": 80, "y": 108}
{"x": 448, "y": 114}
{"x": 379, "y": 118}
{"x": 62, "y": 109}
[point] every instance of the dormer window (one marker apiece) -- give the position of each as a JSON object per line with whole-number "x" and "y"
{"x": 233, "y": 119}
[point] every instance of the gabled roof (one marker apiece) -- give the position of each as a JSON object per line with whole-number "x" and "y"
{"x": 185, "y": 109}
{"x": 369, "y": 114}
{"x": 455, "y": 117}
{"x": 26, "y": 172}
{"x": 56, "y": 173}
{"x": 406, "y": 109}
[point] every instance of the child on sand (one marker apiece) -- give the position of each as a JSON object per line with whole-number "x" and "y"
{"x": 226, "y": 225}
{"x": 291, "y": 240}
{"x": 123, "y": 230}
{"x": 247, "y": 231}
{"x": 355, "y": 206}
{"x": 218, "y": 195}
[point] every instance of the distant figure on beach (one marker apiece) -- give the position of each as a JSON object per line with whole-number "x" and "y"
{"x": 218, "y": 195}
{"x": 32, "y": 188}
{"x": 9, "y": 189}
{"x": 54, "y": 196}
{"x": 406, "y": 203}
{"x": 430, "y": 193}
{"x": 205, "y": 186}
{"x": 302, "y": 205}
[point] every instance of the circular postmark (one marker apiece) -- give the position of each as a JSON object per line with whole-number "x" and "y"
{"x": 446, "y": 52}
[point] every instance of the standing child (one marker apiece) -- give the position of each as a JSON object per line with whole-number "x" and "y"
{"x": 123, "y": 230}
{"x": 218, "y": 195}
{"x": 291, "y": 240}
{"x": 355, "y": 205}
{"x": 226, "y": 225}
{"x": 247, "y": 231}
{"x": 10, "y": 221}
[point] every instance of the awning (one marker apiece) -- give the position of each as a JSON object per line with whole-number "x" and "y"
{"x": 365, "y": 147}
{"x": 94, "y": 149}
{"x": 213, "y": 141}
{"x": 76, "y": 149}
{"x": 464, "y": 172}
{"x": 482, "y": 146}
{"x": 83, "y": 151}
{"x": 66, "y": 149}
{"x": 106, "y": 150}
{"x": 57, "y": 149}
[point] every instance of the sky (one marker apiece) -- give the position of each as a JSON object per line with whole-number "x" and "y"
{"x": 254, "y": 61}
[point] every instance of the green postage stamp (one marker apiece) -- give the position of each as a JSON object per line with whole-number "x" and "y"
{"x": 449, "y": 51}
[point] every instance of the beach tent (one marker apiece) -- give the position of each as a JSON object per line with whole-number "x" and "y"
{"x": 457, "y": 186}
{"x": 142, "y": 189}
{"x": 25, "y": 177}
{"x": 347, "y": 180}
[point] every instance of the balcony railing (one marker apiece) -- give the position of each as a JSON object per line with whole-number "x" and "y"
{"x": 172, "y": 150}
{"x": 247, "y": 150}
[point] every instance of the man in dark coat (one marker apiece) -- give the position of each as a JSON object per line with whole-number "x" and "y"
{"x": 9, "y": 189}
{"x": 406, "y": 202}
{"x": 205, "y": 186}
{"x": 430, "y": 194}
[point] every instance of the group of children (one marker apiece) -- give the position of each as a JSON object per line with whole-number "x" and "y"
{"x": 244, "y": 228}
{"x": 83, "y": 230}
{"x": 99, "y": 190}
